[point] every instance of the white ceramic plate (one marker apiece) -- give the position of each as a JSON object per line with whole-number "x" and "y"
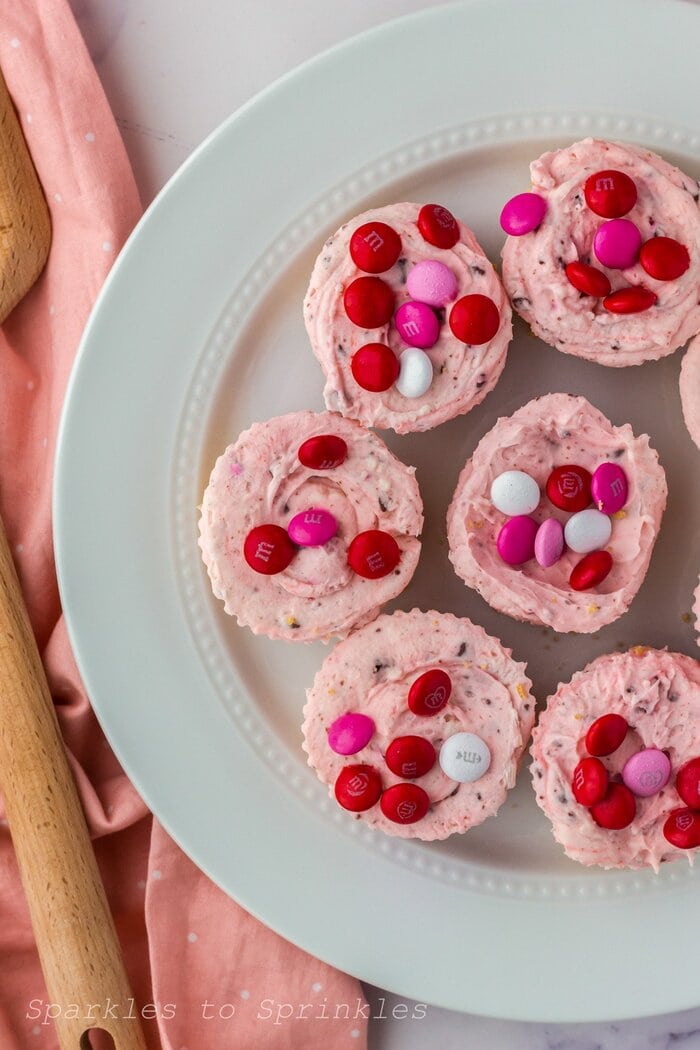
{"x": 198, "y": 332}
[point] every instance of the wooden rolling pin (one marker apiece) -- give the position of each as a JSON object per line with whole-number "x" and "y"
{"x": 73, "y": 926}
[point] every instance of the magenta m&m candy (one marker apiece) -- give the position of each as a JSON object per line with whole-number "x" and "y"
{"x": 587, "y": 279}
{"x": 438, "y": 226}
{"x": 682, "y": 829}
{"x": 369, "y": 302}
{"x": 631, "y": 300}
{"x": 516, "y": 540}
{"x": 569, "y": 488}
{"x": 664, "y": 258}
{"x": 415, "y": 372}
{"x": 617, "y": 810}
{"x": 688, "y": 783}
{"x": 587, "y": 530}
{"x": 375, "y": 367}
{"x": 323, "y": 452}
{"x": 358, "y": 787}
{"x": 350, "y": 733}
{"x": 410, "y": 756}
{"x": 647, "y": 772}
{"x": 591, "y": 570}
{"x": 610, "y": 193}
{"x": 375, "y": 247}
{"x": 549, "y": 543}
{"x": 373, "y": 554}
{"x": 523, "y": 213}
{"x": 474, "y": 319}
{"x": 268, "y": 549}
{"x": 589, "y": 783}
{"x": 431, "y": 282}
{"x": 515, "y": 492}
{"x": 616, "y": 244}
{"x": 606, "y": 734}
{"x": 405, "y": 803}
{"x": 430, "y": 692}
{"x": 609, "y": 488}
{"x": 312, "y": 527}
{"x": 417, "y": 324}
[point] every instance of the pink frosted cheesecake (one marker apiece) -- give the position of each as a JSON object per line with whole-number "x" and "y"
{"x": 690, "y": 389}
{"x": 417, "y": 724}
{"x": 616, "y": 760}
{"x": 603, "y": 257}
{"x": 308, "y": 525}
{"x": 407, "y": 317}
{"x": 555, "y": 516}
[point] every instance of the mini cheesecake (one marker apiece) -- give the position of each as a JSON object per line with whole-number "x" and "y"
{"x": 690, "y": 389}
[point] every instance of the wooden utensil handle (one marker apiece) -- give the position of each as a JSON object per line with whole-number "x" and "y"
{"x": 72, "y": 922}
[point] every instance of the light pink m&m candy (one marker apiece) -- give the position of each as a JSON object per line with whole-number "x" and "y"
{"x": 516, "y": 540}
{"x": 549, "y": 543}
{"x": 523, "y": 213}
{"x": 417, "y": 324}
{"x": 350, "y": 733}
{"x": 647, "y": 772}
{"x": 312, "y": 528}
{"x": 616, "y": 244}
{"x": 432, "y": 282}
{"x": 609, "y": 488}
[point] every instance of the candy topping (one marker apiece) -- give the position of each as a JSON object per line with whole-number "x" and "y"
{"x": 590, "y": 571}
{"x": 268, "y": 549}
{"x": 417, "y": 324}
{"x": 515, "y": 492}
{"x": 431, "y": 282}
{"x": 369, "y": 302}
{"x": 569, "y": 488}
{"x": 375, "y": 367}
{"x": 516, "y": 540}
{"x": 410, "y": 756}
{"x": 373, "y": 554}
{"x": 632, "y": 300}
{"x": 647, "y": 772}
{"x": 616, "y": 244}
{"x": 430, "y": 692}
{"x": 682, "y": 829}
{"x": 350, "y": 733}
{"x": 358, "y": 787}
{"x": 587, "y": 279}
{"x": 464, "y": 757}
{"x": 523, "y": 213}
{"x": 688, "y": 783}
{"x": 323, "y": 452}
{"x": 609, "y": 488}
{"x": 617, "y": 810}
{"x": 549, "y": 543}
{"x": 405, "y": 803}
{"x": 606, "y": 734}
{"x": 375, "y": 247}
{"x": 610, "y": 193}
{"x": 438, "y": 226}
{"x": 474, "y": 319}
{"x": 590, "y": 782}
{"x": 664, "y": 258}
{"x": 312, "y": 528}
{"x": 415, "y": 373}
{"x": 587, "y": 530}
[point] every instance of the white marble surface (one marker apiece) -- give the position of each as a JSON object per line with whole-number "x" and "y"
{"x": 173, "y": 71}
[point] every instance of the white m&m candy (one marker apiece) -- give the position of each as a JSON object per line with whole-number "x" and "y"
{"x": 464, "y": 757}
{"x": 587, "y": 531}
{"x": 514, "y": 492}
{"x": 415, "y": 373}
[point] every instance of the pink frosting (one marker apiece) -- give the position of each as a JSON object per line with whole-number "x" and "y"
{"x": 371, "y": 672}
{"x": 545, "y": 433}
{"x": 690, "y": 389}
{"x": 463, "y": 375}
{"x": 659, "y": 694}
{"x": 260, "y": 480}
{"x": 533, "y": 265}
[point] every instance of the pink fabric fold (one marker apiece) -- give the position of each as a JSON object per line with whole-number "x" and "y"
{"x": 185, "y": 943}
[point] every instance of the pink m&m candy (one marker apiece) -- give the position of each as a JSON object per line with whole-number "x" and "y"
{"x": 350, "y": 733}
{"x": 417, "y": 324}
{"x": 516, "y": 540}
{"x": 312, "y": 528}
{"x": 549, "y": 543}
{"x": 609, "y": 488}
{"x": 432, "y": 282}
{"x": 616, "y": 244}
{"x": 646, "y": 772}
{"x": 523, "y": 213}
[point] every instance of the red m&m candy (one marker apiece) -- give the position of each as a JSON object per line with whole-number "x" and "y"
{"x": 475, "y": 319}
{"x": 373, "y": 554}
{"x": 606, "y": 734}
{"x": 664, "y": 259}
{"x": 632, "y": 300}
{"x": 591, "y": 570}
{"x": 688, "y": 783}
{"x": 438, "y": 226}
{"x": 569, "y": 488}
{"x": 430, "y": 692}
{"x": 588, "y": 279}
{"x": 610, "y": 193}
{"x": 404, "y": 803}
{"x": 375, "y": 247}
{"x": 375, "y": 367}
{"x": 323, "y": 452}
{"x": 358, "y": 787}
{"x": 410, "y": 756}
{"x": 268, "y": 549}
{"x": 682, "y": 829}
{"x": 369, "y": 302}
{"x": 590, "y": 782}
{"x": 617, "y": 810}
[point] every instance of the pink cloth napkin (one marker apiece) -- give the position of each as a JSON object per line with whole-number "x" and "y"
{"x": 186, "y": 944}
